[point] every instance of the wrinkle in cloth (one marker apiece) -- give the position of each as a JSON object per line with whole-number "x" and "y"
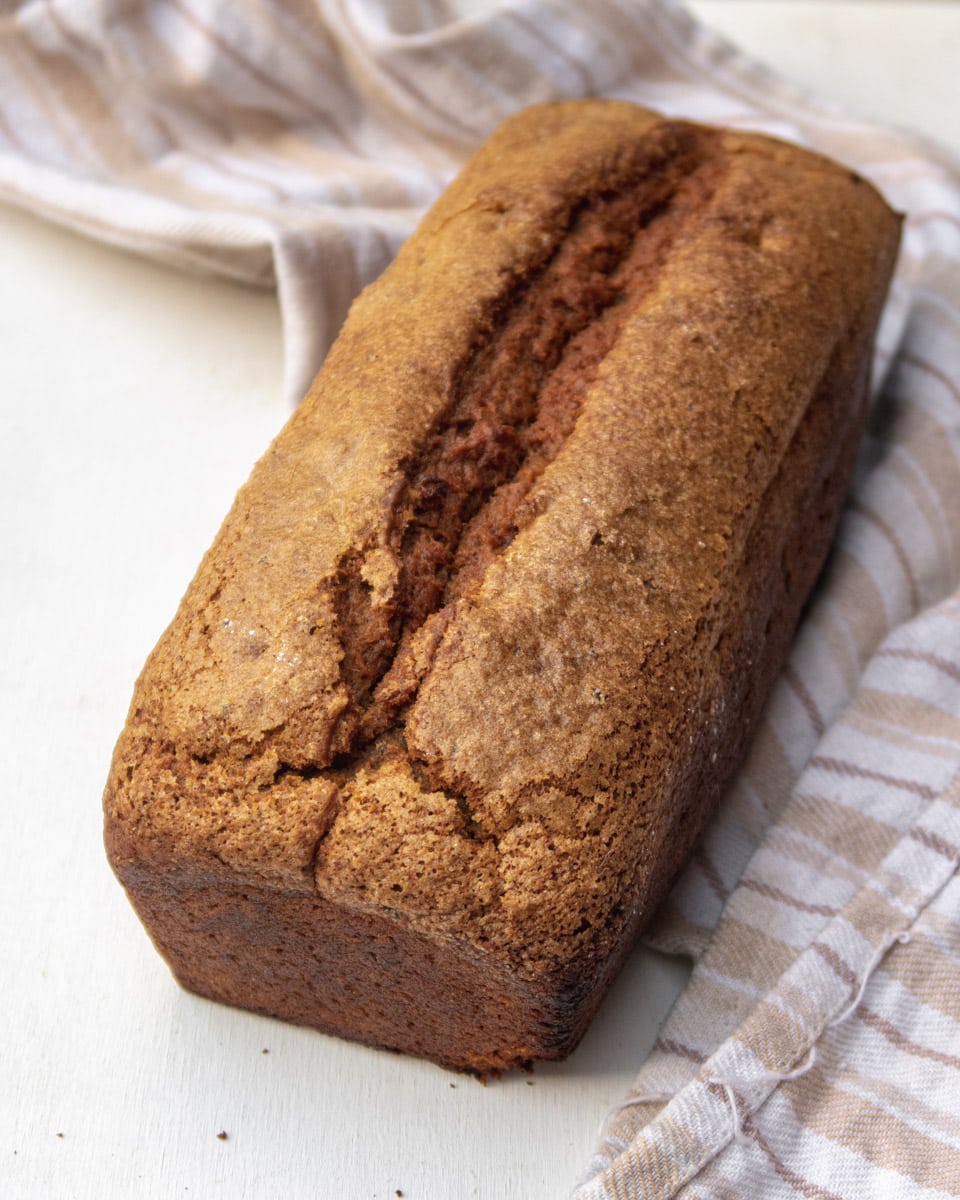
{"x": 816, "y": 1049}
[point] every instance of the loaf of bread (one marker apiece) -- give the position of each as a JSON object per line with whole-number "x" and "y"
{"x": 484, "y": 637}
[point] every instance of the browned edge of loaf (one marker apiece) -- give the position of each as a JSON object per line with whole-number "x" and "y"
{"x": 487, "y": 632}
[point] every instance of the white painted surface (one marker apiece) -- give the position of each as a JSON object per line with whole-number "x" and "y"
{"x": 133, "y": 403}
{"x": 895, "y": 62}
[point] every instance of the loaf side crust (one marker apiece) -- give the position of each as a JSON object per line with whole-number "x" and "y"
{"x": 484, "y": 637}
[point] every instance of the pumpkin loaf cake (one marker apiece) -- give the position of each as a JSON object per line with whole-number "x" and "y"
{"x": 485, "y": 636}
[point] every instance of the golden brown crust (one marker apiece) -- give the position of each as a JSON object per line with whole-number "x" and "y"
{"x": 484, "y": 636}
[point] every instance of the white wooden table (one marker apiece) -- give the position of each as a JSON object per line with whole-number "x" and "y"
{"x": 134, "y": 402}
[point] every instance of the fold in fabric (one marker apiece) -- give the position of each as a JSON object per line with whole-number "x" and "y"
{"x": 816, "y": 1048}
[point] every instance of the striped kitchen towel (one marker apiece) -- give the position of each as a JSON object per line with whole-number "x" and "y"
{"x": 816, "y": 1050}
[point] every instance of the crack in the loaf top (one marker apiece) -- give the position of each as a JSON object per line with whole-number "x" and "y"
{"x": 515, "y": 402}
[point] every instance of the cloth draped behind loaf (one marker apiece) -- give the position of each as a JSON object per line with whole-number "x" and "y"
{"x": 816, "y": 1048}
